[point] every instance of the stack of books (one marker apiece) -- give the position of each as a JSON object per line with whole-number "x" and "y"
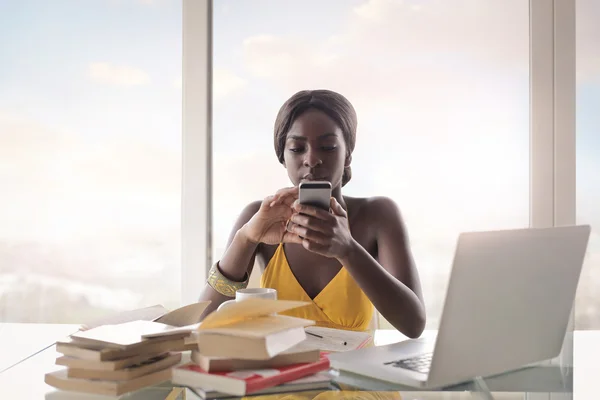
{"x": 115, "y": 357}
{"x": 246, "y": 348}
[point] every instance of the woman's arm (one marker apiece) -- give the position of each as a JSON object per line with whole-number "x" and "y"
{"x": 393, "y": 283}
{"x": 238, "y": 258}
{"x": 260, "y": 222}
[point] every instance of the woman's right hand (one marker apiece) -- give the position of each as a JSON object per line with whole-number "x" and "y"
{"x": 268, "y": 225}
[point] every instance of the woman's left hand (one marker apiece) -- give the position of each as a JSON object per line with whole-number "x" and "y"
{"x": 322, "y": 232}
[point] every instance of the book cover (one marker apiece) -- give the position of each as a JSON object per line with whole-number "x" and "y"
{"x": 120, "y": 336}
{"x": 212, "y": 364}
{"x": 60, "y": 380}
{"x": 182, "y": 316}
{"x": 146, "y": 367}
{"x": 241, "y": 383}
{"x": 99, "y": 352}
{"x": 247, "y": 310}
{"x": 316, "y": 382}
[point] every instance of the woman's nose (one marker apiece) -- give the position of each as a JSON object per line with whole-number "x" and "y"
{"x": 312, "y": 159}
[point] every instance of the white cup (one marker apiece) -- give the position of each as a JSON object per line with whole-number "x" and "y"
{"x": 252, "y": 293}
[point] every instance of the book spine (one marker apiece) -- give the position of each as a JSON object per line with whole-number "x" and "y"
{"x": 287, "y": 376}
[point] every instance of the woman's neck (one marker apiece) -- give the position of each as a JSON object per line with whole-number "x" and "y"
{"x": 337, "y": 194}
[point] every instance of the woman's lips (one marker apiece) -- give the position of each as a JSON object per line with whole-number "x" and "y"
{"x": 313, "y": 178}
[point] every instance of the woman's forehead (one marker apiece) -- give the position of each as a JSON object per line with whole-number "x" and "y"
{"x": 314, "y": 123}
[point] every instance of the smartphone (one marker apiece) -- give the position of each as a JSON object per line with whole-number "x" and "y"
{"x": 317, "y": 193}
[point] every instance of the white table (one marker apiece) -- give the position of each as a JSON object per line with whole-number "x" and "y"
{"x": 26, "y": 379}
{"x": 18, "y": 341}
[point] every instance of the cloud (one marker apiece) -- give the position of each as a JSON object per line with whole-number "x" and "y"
{"x": 60, "y": 185}
{"x": 402, "y": 48}
{"x": 120, "y": 75}
{"x": 270, "y": 56}
{"x": 395, "y": 53}
{"x": 226, "y": 83}
{"x": 480, "y": 31}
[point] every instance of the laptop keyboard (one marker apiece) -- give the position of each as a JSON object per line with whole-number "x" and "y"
{"x": 419, "y": 363}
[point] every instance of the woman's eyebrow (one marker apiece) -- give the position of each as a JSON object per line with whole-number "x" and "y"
{"x": 303, "y": 138}
{"x": 326, "y": 135}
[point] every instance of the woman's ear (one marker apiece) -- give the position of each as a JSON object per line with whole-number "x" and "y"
{"x": 348, "y": 160}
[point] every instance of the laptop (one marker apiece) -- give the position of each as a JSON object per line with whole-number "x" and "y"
{"x": 508, "y": 304}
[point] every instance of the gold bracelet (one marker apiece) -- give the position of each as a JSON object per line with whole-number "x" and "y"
{"x": 221, "y": 284}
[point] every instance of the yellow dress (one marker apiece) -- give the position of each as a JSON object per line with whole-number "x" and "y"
{"x": 341, "y": 304}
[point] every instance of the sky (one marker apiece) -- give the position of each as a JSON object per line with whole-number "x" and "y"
{"x": 86, "y": 110}
{"x": 90, "y": 113}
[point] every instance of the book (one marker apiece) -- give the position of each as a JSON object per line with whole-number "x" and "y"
{"x": 213, "y": 364}
{"x": 172, "y": 331}
{"x": 317, "y": 382}
{"x": 241, "y": 383}
{"x": 126, "y": 355}
{"x": 248, "y": 309}
{"x": 111, "y": 365}
{"x": 122, "y": 336}
{"x": 146, "y": 367}
{"x": 97, "y": 352}
{"x": 146, "y": 393}
{"x": 254, "y": 339}
{"x": 251, "y": 329}
{"x": 60, "y": 380}
{"x": 182, "y": 316}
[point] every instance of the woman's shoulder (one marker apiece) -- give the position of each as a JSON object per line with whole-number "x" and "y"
{"x": 252, "y": 207}
{"x": 246, "y": 214}
{"x": 372, "y": 207}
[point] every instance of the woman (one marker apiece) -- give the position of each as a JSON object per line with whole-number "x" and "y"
{"x": 344, "y": 261}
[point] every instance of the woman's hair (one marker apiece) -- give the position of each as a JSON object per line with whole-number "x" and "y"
{"x": 336, "y": 106}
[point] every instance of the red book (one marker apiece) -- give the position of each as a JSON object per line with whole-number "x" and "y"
{"x": 241, "y": 383}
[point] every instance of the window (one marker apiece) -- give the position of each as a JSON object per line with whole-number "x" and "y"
{"x": 587, "y": 310}
{"x": 442, "y": 94}
{"x": 90, "y": 155}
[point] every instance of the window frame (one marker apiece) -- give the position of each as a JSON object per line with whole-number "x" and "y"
{"x": 196, "y": 188}
{"x": 553, "y": 129}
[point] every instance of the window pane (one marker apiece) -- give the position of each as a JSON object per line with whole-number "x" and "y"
{"x": 587, "y": 304}
{"x": 442, "y": 94}
{"x": 90, "y": 144}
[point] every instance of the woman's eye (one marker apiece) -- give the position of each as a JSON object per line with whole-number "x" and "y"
{"x": 295, "y": 149}
{"x": 329, "y": 148}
